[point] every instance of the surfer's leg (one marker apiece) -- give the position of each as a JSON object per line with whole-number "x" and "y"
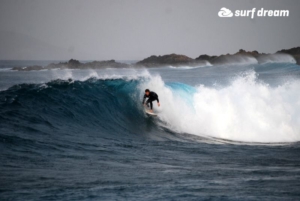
{"x": 149, "y": 101}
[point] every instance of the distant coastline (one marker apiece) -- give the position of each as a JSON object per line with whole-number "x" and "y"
{"x": 177, "y": 60}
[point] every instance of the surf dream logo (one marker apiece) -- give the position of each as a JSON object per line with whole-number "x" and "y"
{"x": 225, "y": 12}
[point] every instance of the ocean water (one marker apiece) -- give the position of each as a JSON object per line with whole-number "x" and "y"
{"x": 228, "y": 132}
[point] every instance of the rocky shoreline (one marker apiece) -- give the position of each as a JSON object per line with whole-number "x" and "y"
{"x": 242, "y": 56}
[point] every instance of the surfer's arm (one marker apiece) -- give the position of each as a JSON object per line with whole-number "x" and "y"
{"x": 157, "y": 100}
{"x": 144, "y": 99}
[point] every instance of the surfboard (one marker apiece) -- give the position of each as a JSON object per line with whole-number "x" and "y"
{"x": 150, "y": 113}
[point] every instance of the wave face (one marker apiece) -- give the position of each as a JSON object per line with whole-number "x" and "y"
{"x": 70, "y": 106}
{"x": 246, "y": 110}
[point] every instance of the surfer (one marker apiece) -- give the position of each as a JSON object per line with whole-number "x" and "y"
{"x": 152, "y": 96}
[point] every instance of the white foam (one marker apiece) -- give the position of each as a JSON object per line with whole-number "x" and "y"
{"x": 5, "y": 69}
{"x": 236, "y": 60}
{"x": 246, "y": 110}
{"x": 83, "y": 75}
{"x": 199, "y": 65}
{"x": 276, "y": 58}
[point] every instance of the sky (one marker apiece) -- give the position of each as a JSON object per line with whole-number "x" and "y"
{"x": 136, "y": 29}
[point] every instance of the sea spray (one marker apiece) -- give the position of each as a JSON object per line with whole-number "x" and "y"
{"x": 247, "y": 110}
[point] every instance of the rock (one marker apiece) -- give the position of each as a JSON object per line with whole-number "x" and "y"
{"x": 105, "y": 64}
{"x": 292, "y": 51}
{"x": 170, "y": 59}
{"x": 297, "y": 58}
{"x": 295, "y": 52}
{"x": 205, "y": 57}
{"x": 73, "y": 62}
{"x": 240, "y": 57}
{"x": 247, "y": 53}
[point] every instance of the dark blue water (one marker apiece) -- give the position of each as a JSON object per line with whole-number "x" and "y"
{"x": 83, "y": 135}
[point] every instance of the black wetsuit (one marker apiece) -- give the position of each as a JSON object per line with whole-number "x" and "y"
{"x": 152, "y": 97}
